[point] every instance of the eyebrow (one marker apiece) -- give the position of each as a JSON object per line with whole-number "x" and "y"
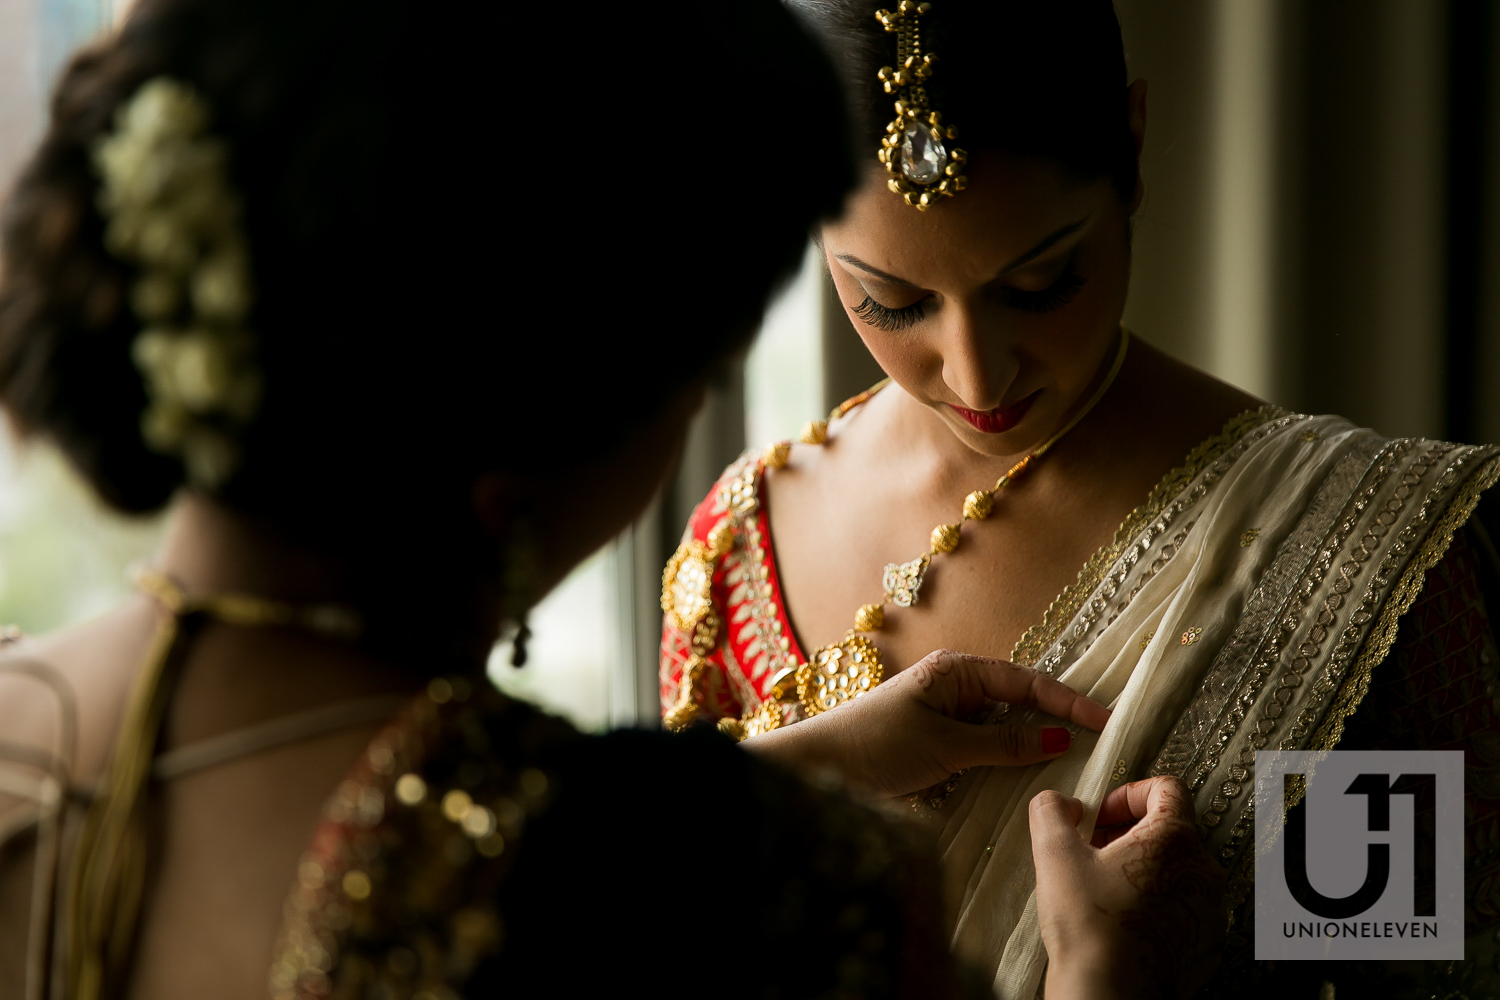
{"x": 1046, "y": 244}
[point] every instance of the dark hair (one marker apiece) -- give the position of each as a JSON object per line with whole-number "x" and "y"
{"x": 482, "y": 237}
{"x": 1037, "y": 78}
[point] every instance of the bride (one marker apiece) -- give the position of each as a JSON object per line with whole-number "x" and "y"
{"x": 1034, "y": 482}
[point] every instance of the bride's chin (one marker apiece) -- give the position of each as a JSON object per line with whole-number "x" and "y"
{"x": 1013, "y": 443}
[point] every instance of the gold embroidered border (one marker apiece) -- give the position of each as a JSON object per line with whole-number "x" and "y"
{"x": 755, "y": 624}
{"x": 1383, "y": 636}
{"x": 1037, "y": 639}
{"x": 1248, "y": 657}
{"x": 1378, "y": 644}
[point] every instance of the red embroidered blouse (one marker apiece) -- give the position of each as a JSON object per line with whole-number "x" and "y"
{"x": 756, "y": 649}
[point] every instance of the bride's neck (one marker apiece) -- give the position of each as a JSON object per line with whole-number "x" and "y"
{"x": 210, "y": 549}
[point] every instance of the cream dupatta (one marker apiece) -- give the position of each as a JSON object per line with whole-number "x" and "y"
{"x": 1243, "y": 606}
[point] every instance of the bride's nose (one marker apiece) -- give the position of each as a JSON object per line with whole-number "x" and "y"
{"x": 979, "y": 365}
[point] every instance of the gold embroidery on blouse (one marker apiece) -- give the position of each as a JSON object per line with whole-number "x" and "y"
{"x": 755, "y": 623}
{"x": 687, "y": 601}
{"x": 736, "y": 492}
{"x": 1039, "y": 637}
{"x": 686, "y": 584}
{"x": 1192, "y": 635}
{"x": 1248, "y": 537}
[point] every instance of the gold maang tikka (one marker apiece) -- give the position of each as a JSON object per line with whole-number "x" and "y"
{"x": 915, "y": 146}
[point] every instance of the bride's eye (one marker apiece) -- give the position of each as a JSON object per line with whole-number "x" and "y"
{"x": 1054, "y": 296}
{"x": 886, "y": 318}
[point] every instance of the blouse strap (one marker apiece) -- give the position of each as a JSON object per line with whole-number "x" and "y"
{"x": 273, "y": 733}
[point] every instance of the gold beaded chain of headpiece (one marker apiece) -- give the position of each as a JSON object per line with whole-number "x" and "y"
{"x": 847, "y": 669}
{"x": 914, "y": 148}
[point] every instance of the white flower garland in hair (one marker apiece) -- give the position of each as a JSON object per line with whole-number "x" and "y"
{"x": 173, "y": 212}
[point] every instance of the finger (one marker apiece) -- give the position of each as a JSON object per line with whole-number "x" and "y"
{"x": 1007, "y": 682}
{"x": 1008, "y": 746}
{"x": 951, "y": 682}
{"x": 1054, "y": 819}
{"x": 1164, "y": 795}
{"x": 1117, "y": 808}
{"x": 1106, "y": 835}
{"x": 1169, "y": 796}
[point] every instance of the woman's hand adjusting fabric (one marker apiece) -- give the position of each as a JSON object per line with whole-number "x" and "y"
{"x": 1140, "y": 911}
{"x": 908, "y": 733}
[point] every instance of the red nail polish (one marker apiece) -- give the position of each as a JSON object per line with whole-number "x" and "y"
{"x": 1056, "y": 739}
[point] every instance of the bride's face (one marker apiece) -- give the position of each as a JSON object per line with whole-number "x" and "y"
{"x": 995, "y": 308}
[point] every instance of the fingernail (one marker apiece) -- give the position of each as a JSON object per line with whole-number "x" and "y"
{"x": 1056, "y": 739}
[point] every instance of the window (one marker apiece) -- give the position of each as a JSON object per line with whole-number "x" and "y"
{"x": 62, "y": 556}
{"x": 593, "y": 652}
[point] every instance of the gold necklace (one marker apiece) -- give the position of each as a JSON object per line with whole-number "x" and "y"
{"x": 849, "y": 668}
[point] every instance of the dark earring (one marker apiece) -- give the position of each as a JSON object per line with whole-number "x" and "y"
{"x": 518, "y": 645}
{"x": 521, "y": 573}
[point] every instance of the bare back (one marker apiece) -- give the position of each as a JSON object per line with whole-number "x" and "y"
{"x": 225, "y": 840}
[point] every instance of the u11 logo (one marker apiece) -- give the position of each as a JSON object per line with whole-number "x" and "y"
{"x": 1368, "y": 863}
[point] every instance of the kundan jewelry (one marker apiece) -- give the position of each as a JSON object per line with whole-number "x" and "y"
{"x": 915, "y": 148}
{"x": 840, "y": 672}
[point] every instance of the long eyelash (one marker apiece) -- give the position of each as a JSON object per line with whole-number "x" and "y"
{"x": 886, "y": 318}
{"x": 1054, "y": 296}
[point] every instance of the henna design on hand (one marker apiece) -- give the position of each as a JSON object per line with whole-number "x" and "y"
{"x": 1178, "y": 925}
{"x": 927, "y": 669}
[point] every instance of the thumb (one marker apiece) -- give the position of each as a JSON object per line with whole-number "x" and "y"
{"x": 1054, "y": 821}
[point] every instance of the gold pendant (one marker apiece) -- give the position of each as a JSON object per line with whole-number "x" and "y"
{"x": 903, "y": 581}
{"x": 839, "y": 673}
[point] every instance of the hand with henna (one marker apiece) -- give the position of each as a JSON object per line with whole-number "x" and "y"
{"x": 1140, "y": 911}
{"x": 909, "y": 733}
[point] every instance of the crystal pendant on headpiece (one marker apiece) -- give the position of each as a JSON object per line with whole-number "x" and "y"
{"x": 922, "y": 157}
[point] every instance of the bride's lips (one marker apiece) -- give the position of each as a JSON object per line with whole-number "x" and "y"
{"x": 1000, "y": 419}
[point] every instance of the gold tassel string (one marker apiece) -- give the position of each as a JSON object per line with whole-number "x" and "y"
{"x": 108, "y": 880}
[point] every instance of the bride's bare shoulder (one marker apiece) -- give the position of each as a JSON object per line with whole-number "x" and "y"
{"x": 815, "y": 473}
{"x": 1169, "y": 399}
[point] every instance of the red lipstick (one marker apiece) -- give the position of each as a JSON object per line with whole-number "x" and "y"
{"x": 998, "y": 420}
